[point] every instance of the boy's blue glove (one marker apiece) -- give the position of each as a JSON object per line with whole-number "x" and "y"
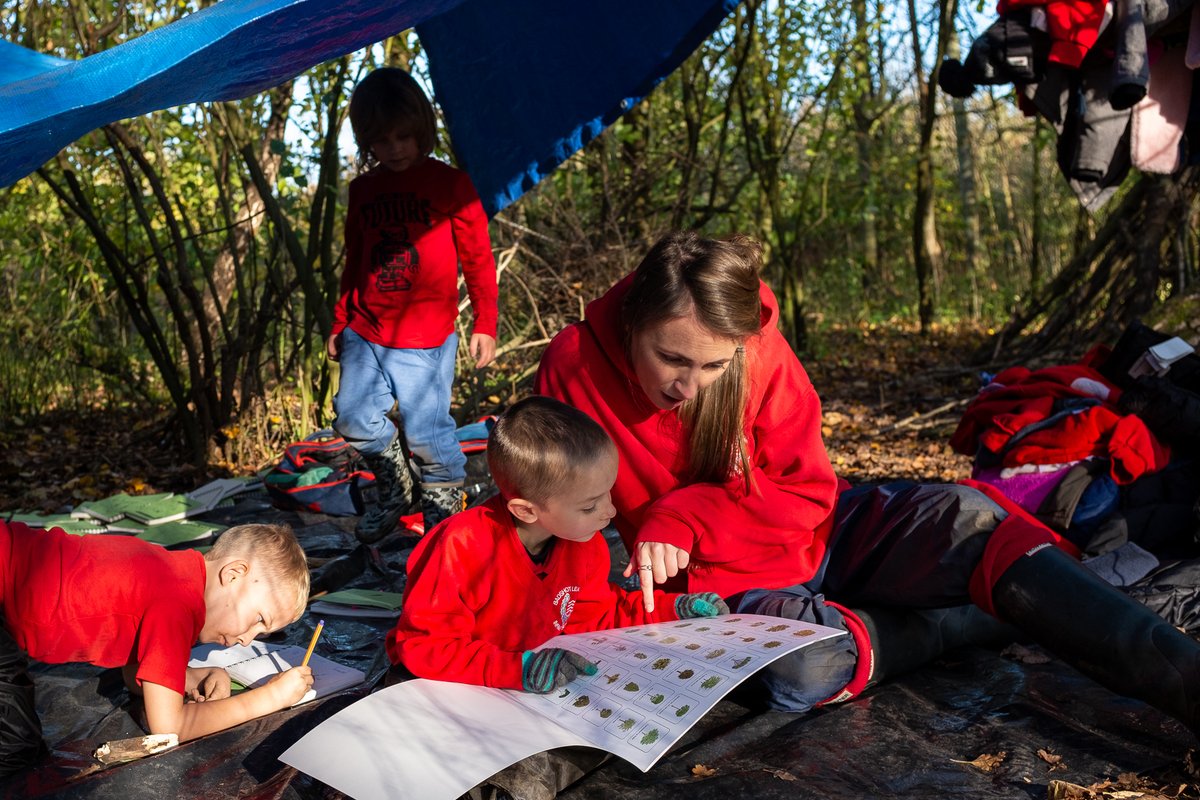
{"x": 701, "y": 604}
{"x": 547, "y": 670}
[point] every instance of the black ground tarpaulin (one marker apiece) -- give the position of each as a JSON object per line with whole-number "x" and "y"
{"x": 913, "y": 738}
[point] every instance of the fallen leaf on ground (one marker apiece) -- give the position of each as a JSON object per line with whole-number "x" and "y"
{"x": 986, "y": 762}
{"x": 782, "y": 774}
{"x": 701, "y": 771}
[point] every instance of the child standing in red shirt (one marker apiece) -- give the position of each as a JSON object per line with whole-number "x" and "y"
{"x": 498, "y": 579}
{"x": 117, "y": 601}
{"x": 410, "y": 222}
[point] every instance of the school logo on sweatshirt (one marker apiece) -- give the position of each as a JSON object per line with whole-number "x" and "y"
{"x": 394, "y": 260}
{"x": 565, "y": 604}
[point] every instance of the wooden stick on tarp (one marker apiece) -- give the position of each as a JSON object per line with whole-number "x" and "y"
{"x": 121, "y": 750}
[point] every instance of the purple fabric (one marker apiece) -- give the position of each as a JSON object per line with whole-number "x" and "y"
{"x": 1026, "y": 489}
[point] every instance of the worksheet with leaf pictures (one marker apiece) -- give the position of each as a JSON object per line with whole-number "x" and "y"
{"x": 655, "y": 681}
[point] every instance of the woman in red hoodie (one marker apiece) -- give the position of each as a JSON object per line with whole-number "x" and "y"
{"x": 724, "y": 485}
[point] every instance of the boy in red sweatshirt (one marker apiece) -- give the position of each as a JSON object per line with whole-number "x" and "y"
{"x": 117, "y": 601}
{"x": 494, "y": 581}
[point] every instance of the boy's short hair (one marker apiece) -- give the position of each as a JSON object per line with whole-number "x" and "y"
{"x": 274, "y": 550}
{"x": 538, "y": 446}
{"x": 390, "y": 98}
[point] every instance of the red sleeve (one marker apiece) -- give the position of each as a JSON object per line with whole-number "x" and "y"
{"x": 792, "y": 484}
{"x": 470, "y": 225}
{"x": 434, "y": 637}
{"x": 164, "y": 645}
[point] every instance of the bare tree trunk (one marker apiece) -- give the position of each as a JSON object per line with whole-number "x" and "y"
{"x": 865, "y": 118}
{"x": 976, "y": 254}
{"x": 927, "y": 249}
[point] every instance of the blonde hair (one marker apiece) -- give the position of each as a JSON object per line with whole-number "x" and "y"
{"x": 273, "y": 549}
{"x": 539, "y": 445}
{"x": 387, "y": 99}
{"x": 717, "y": 281}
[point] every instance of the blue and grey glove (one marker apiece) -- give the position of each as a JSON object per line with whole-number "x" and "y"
{"x": 549, "y": 669}
{"x": 701, "y": 604}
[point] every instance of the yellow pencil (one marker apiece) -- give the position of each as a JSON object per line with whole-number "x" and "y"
{"x": 313, "y": 643}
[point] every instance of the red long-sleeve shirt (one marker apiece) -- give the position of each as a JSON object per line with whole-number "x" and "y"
{"x": 773, "y": 535}
{"x": 406, "y": 233}
{"x": 475, "y": 600}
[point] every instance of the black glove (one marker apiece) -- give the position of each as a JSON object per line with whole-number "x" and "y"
{"x": 703, "y": 604}
{"x": 546, "y": 670}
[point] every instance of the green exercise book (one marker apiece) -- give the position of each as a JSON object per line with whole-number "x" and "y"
{"x": 359, "y": 603}
{"x": 155, "y": 509}
{"x": 183, "y": 531}
{"x": 110, "y": 509}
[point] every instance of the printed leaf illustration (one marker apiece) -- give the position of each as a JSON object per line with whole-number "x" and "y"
{"x": 650, "y": 736}
{"x": 679, "y": 712}
{"x": 641, "y": 656}
{"x": 631, "y": 687}
{"x": 777, "y": 628}
{"x": 685, "y": 674}
{"x": 616, "y": 676}
{"x": 605, "y": 713}
{"x": 711, "y": 681}
{"x": 657, "y": 698}
{"x": 660, "y": 663}
{"x": 564, "y": 693}
{"x": 749, "y": 638}
{"x": 582, "y": 701}
{"x": 758, "y": 624}
{"x": 805, "y": 632}
{"x": 670, "y": 639}
{"x": 627, "y": 723}
{"x": 684, "y": 625}
{"x": 773, "y": 643}
{"x": 691, "y": 646}
{"x": 741, "y": 662}
{"x": 720, "y": 651}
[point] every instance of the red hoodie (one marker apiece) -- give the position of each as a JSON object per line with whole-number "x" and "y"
{"x": 773, "y": 535}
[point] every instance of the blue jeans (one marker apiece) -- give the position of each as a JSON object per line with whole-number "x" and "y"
{"x": 418, "y": 381}
{"x": 798, "y": 681}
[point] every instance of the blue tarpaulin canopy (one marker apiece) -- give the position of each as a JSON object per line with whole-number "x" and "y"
{"x": 523, "y": 84}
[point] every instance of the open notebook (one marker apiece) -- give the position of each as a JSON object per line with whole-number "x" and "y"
{"x": 256, "y": 663}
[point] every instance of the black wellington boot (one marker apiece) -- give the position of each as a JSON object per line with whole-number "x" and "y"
{"x": 1104, "y": 634}
{"x": 393, "y": 491}
{"x": 903, "y": 640}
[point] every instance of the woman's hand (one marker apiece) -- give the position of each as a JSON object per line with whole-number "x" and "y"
{"x": 655, "y": 562}
{"x": 333, "y": 346}
{"x": 206, "y": 683}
